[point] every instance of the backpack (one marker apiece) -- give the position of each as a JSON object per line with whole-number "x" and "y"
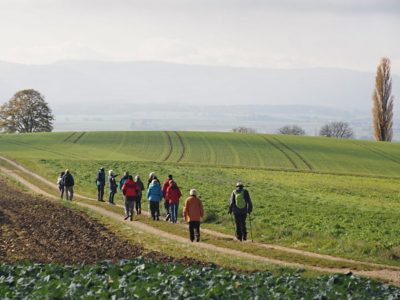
{"x": 240, "y": 202}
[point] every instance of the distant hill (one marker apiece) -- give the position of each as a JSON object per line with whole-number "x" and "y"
{"x": 109, "y": 83}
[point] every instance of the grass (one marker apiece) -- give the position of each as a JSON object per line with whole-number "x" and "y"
{"x": 215, "y": 149}
{"x": 330, "y": 196}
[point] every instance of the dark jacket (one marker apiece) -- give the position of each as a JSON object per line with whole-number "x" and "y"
{"x": 240, "y": 211}
{"x": 68, "y": 180}
{"x": 101, "y": 178}
{"x": 112, "y": 183}
{"x": 140, "y": 185}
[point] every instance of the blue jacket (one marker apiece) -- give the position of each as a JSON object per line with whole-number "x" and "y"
{"x": 154, "y": 193}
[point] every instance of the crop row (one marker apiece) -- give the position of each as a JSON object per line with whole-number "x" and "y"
{"x": 141, "y": 279}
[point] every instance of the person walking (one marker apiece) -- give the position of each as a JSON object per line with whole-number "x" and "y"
{"x": 112, "y": 185}
{"x": 138, "y": 201}
{"x": 60, "y": 182}
{"x": 100, "y": 183}
{"x": 69, "y": 185}
{"x": 240, "y": 205}
{"x": 154, "y": 194}
{"x": 193, "y": 213}
{"x": 173, "y": 195}
{"x": 130, "y": 190}
{"x": 166, "y": 200}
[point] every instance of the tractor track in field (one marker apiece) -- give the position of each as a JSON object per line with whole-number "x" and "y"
{"x": 170, "y": 146}
{"x": 381, "y": 153}
{"x": 384, "y": 272}
{"x": 76, "y": 140}
{"x": 282, "y": 151}
{"x": 69, "y": 137}
{"x": 309, "y": 166}
{"x": 182, "y": 146}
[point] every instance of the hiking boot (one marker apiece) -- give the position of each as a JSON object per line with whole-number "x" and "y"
{"x": 126, "y": 218}
{"x": 198, "y": 239}
{"x": 130, "y": 218}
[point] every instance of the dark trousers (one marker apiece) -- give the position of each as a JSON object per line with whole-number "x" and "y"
{"x": 61, "y": 188}
{"x": 166, "y": 206}
{"x": 241, "y": 231}
{"x": 138, "y": 203}
{"x": 194, "y": 227}
{"x": 155, "y": 209}
{"x": 111, "y": 196}
{"x": 100, "y": 192}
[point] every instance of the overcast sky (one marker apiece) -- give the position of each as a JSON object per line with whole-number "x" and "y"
{"x": 351, "y": 34}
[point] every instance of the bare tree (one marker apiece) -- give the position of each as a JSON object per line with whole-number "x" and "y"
{"x": 27, "y": 111}
{"x": 243, "y": 130}
{"x": 382, "y": 103}
{"x": 291, "y": 130}
{"x": 337, "y": 130}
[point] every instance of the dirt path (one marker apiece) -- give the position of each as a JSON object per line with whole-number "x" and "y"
{"x": 389, "y": 273}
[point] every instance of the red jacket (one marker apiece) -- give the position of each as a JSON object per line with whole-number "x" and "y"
{"x": 173, "y": 195}
{"x": 130, "y": 188}
{"x": 164, "y": 189}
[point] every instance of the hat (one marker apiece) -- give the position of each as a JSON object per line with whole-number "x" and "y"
{"x": 193, "y": 192}
{"x": 239, "y": 184}
{"x": 152, "y": 174}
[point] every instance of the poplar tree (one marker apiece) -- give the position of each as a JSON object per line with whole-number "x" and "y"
{"x": 382, "y": 103}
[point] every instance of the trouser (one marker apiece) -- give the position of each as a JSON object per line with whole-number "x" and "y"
{"x": 129, "y": 205}
{"x": 62, "y": 189}
{"x": 194, "y": 229}
{"x": 138, "y": 202}
{"x": 100, "y": 192}
{"x": 173, "y": 210}
{"x": 111, "y": 196}
{"x": 155, "y": 209}
{"x": 69, "y": 192}
{"x": 241, "y": 231}
{"x": 166, "y": 206}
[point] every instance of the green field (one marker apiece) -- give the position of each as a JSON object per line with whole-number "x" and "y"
{"x": 325, "y": 195}
{"x": 140, "y": 279}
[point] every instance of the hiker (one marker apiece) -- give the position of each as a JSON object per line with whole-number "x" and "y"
{"x": 138, "y": 201}
{"x": 166, "y": 201}
{"x": 60, "y": 182}
{"x": 173, "y": 194}
{"x": 130, "y": 190}
{"x": 240, "y": 205}
{"x": 154, "y": 194}
{"x": 100, "y": 182}
{"x": 193, "y": 212}
{"x": 68, "y": 185}
{"x": 112, "y": 185}
{"x": 152, "y": 176}
{"x": 121, "y": 184}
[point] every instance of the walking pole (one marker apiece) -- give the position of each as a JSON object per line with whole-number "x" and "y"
{"x": 251, "y": 229}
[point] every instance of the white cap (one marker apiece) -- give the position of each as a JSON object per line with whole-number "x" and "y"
{"x": 193, "y": 192}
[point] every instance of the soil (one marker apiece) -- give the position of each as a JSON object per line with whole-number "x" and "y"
{"x": 39, "y": 230}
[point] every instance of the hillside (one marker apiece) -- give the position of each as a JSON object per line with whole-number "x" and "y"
{"x": 212, "y": 149}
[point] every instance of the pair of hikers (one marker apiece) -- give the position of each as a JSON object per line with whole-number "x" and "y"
{"x": 132, "y": 191}
{"x": 66, "y": 183}
{"x": 172, "y": 193}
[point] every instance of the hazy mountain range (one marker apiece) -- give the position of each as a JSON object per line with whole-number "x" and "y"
{"x": 156, "y": 95}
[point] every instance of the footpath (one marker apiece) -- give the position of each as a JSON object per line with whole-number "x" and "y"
{"x": 378, "y": 271}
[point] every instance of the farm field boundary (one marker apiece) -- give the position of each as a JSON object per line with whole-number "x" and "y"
{"x": 385, "y": 272}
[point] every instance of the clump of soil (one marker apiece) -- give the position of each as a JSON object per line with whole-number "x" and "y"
{"x": 39, "y": 230}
